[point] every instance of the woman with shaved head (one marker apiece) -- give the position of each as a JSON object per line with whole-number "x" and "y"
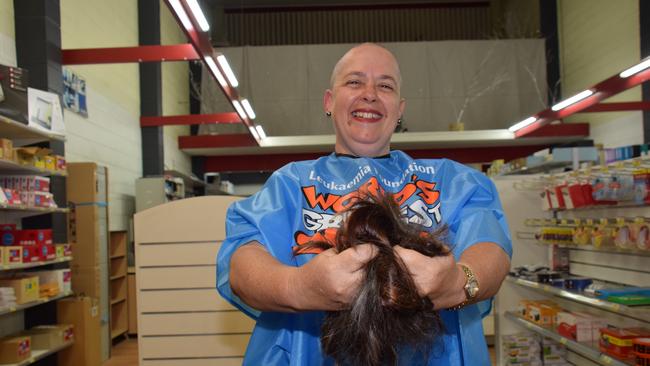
{"x": 269, "y": 267}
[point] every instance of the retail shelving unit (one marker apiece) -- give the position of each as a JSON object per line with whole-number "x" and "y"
{"x": 604, "y": 263}
{"x": 590, "y": 351}
{"x": 39, "y": 354}
{"x": 118, "y": 268}
{"x": 13, "y": 319}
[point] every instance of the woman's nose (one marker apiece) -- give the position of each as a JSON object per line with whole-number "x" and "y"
{"x": 369, "y": 94}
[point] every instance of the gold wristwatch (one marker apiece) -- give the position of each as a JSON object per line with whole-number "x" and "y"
{"x": 471, "y": 286}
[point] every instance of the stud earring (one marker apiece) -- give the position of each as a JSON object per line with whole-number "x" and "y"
{"x": 328, "y": 114}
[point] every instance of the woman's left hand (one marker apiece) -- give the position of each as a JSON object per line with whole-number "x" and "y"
{"x": 438, "y": 278}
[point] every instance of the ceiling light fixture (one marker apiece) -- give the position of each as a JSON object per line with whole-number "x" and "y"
{"x": 519, "y": 125}
{"x": 239, "y": 109}
{"x": 215, "y": 71}
{"x": 180, "y": 12}
{"x": 198, "y": 15}
{"x": 248, "y": 109}
{"x": 574, "y": 99}
{"x": 636, "y": 68}
{"x": 254, "y": 132}
{"x": 221, "y": 59}
{"x": 260, "y": 132}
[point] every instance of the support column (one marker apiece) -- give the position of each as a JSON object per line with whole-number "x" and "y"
{"x": 644, "y": 29}
{"x": 153, "y": 158}
{"x": 549, "y": 30}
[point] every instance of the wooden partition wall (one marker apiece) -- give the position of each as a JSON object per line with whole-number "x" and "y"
{"x": 181, "y": 318}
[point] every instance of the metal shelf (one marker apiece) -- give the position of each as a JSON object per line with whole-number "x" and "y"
{"x": 38, "y": 354}
{"x": 585, "y": 349}
{"x": 641, "y": 313}
{"x": 540, "y": 168}
{"x": 10, "y": 167}
{"x": 34, "y": 303}
{"x": 605, "y": 249}
{"x": 23, "y": 134}
{"x": 37, "y": 210}
{"x": 7, "y": 267}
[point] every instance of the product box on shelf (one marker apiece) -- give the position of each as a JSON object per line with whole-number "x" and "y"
{"x": 619, "y": 341}
{"x": 61, "y": 277}
{"x": 27, "y": 183}
{"x": 50, "y": 162}
{"x": 6, "y": 149}
{"x": 579, "y": 326}
{"x": 27, "y": 237}
{"x": 47, "y": 252}
{"x": 14, "y": 349}
{"x": 25, "y": 288}
{"x": 83, "y": 313}
{"x": 37, "y": 199}
{"x": 542, "y": 312}
{"x": 60, "y": 162}
{"x": 50, "y": 336}
{"x": 86, "y": 229}
{"x": 63, "y": 250}
{"x": 11, "y": 254}
{"x": 31, "y": 253}
{"x": 14, "y": 82}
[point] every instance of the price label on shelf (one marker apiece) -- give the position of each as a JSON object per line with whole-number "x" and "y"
{"x": 547, "y": 288}
{"x": 563, "y": 341}
{"x": 606, "y": 360}
{"x": 12, "y": 309}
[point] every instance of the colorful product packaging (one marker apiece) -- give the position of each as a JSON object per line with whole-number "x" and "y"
{"x": 619, "y": 342}
{"x": 14, "y": 349}
{"x": 25, "y": 288}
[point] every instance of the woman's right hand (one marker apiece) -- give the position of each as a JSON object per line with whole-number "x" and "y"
{"x": 331, "y": 280}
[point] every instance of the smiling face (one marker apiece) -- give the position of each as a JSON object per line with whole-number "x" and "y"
{"x": 365, "y": 100}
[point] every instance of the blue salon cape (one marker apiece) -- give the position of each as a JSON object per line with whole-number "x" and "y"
{"x": 302, "y": 199}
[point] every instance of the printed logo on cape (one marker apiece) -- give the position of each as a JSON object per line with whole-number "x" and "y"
{"x": 324, "y": 213}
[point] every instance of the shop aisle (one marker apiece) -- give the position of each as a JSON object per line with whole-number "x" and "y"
{"x": 124, "y": 353}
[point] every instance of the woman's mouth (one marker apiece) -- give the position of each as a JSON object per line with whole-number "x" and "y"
{"x": 366, "y": 116}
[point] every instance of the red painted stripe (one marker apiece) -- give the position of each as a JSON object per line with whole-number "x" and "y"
{"x": 339, "y": 7}
{"x": 271, "y": 162}
{"x": 563, "y": 129}
{"x": 177, "y": 52}
{"x": 207, "y": 141}
{"x": 190, "y": 119}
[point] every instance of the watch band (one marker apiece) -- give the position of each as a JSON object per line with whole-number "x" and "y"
{"x": 470, "y": 287}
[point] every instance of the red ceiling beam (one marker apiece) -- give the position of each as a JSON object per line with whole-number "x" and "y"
{"x": 177, "y": 52}
{"x": 602, "y": 90}
{"x": 562, "y": 129}
{"x": 201, "y": 42}
{"x": 190, "y": 119}
{"x": 207, "y": 141}
{"x": 617, "y": 107}
{"x": 271, "y": 162}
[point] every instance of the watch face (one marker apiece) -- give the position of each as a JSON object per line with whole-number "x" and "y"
{"x": 472, "y": 289}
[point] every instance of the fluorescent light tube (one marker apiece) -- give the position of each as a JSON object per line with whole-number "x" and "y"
{"x": 198, "y": 15}
{"x": 239, "y": 109}
{"x": 248, "y": 109}
{"x": 254, "y": 132}
{"x": 260, "y": 131}
{"x": 519, "y": 125}
{"x": 180, "y": 12}
{"x": 215, "y": 71}
{"x": 636, "y": 68}
{"x": 221, "y": 59}
{"x": 574, "y": 99}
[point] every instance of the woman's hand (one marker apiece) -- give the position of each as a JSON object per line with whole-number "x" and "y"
{"x": 438, "y": 278}
{"x": 331, "y": 280}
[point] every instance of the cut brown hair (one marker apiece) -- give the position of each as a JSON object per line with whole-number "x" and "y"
{"x": 387, "y": 313}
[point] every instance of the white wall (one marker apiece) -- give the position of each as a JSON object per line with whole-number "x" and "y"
{"x": 7, "y": 33}
{"x": 111, "y": 134}
{"x": 598, "y": 39}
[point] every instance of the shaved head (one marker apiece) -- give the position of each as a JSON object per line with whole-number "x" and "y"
{"x": 360, "y": 48}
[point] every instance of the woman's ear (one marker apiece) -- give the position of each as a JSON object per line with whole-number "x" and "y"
{"x": 328, "y": 100}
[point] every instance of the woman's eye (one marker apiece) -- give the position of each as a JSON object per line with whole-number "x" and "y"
{"x": 352, "y": 82}
{"x": 386, "y": 86}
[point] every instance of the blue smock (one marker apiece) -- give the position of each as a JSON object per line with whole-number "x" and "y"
{"x": 302, "y": 199}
